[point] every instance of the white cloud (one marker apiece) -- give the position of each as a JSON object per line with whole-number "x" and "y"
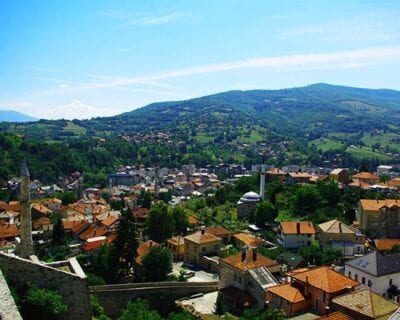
{"x": 144, "y": 20}
{"x": 76, "y": 109}
{"x": 156, "y": 20}
{"x": 341, "y": 60}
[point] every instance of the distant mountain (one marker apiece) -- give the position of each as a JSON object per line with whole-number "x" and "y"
{"x": 317, "y": 108}
{"x": 15, "y": 116}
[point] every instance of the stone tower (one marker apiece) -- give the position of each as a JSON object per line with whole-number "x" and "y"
{"x": 26, "y": 245}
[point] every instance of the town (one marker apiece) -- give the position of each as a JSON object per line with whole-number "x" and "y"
{"x": 227, "y": 241}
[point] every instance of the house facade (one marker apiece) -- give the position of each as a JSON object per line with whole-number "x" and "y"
{"x": 296, "y": 234}
{"x": 381, "y": 217}
{"x": 377, "y": 272}
{"x": 337, "y": 234}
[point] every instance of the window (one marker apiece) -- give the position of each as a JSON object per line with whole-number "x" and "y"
{"x": 369, "y": 283}
{"x": 349, "y": 274}
{"x": 390, "y": 282}
{"x": 356, "y": 277}
{"x": 363, "y": 280}
{"x": 324, "y": 296}
{"x": 203, "y": 249}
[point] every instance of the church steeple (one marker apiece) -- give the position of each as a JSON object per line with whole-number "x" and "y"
{"x": 26, "y": 245}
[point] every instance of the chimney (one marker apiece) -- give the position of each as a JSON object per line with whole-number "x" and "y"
{"x": 262, "y": 186}
{"x": 243, "y": 255}
{"x": 254, "y": 254}
{"x": 298, "y": 227}
{"x": 203, "y": 230}
{"x": 306, "y": 288}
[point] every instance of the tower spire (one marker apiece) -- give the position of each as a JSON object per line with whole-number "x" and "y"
{"x": 26, "y": 245}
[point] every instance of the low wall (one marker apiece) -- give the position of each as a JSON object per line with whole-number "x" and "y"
{"x": 114, "y": 298}
{"x": 8, "y": 309}
{"x": 73, "y": 288}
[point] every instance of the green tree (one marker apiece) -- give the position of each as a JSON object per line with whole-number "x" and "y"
{"x": 246, "y": 184}
{"x": 394, "y": 249}
{"x": 97, "y": 309}
{"x": 265, "y": 212}
{"x": 160, "y": 224}
{"x": 306, "y": 200}
{"x": 44, "y": 304}
{"x": 125, "y": 244}
{"x": 269, "y": 314}
{"x": 182, "y": 315}
{"x": 58, "y": 234}
{"x": 180, "y": 220}
{"x": 220, "y": 195}
{"x": 106, "y": 264}
{"x": 139, "y": 310}
{"x": 145, "y": 199}
{"x": 68, "y": 197}
{"x": 157, "y": 264}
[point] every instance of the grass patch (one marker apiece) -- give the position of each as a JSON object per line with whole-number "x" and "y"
{"x": 325, "y": 144}
{"x": 367, "y": 153}
{"x": 75, "y": 129}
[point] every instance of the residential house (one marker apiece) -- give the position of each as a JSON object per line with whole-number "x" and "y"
{"x": 340, "y": 175}
{"x": 288, "y": 298}
{"x": 364, "y": 304}
{"x": 366, "y": 177}
{"x": 296, "y": 234}
{"x": 337, "y": 315}
{"x": 177, "y": 247}
{"x": 247, "y": 240}
{"x": 337, "y": 234}
{"x": 318, "y": 286}
{"x": 244, "y": 277}
{"x": 386, "y": 244}
{"x": 297, "y": 178}
{"x": 381, "y": 217}
{"x": 42, "y": 224}
{"x": 221, "y": 232}
{"x": 8, "y": 231}
{"x": 201, "y": 244}
{"x": 275, "y": 174}
{"x": 378, "y": 272}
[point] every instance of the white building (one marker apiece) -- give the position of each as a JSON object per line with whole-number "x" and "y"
{"x": 377, "y": 272}
{"x": 296, "y": 234}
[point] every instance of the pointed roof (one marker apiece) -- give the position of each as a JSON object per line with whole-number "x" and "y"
{"x": 377, "y": 264}
{"x": 24, "y": 169}
{"x": 367, "y": 303}
{"x": 335, "y": 226}
{"x": 287, "y": 292}
{"x": 325, "y": 279}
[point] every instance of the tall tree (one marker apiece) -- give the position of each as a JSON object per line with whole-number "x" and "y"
{"x": 180, "y": 220}
{"x": 58, "y": 235}
{"x": 265, "y": 212}
{"x": 157, "y": 264}
{"x": 160, "y": 224}
{"x": 126, "y": 243}
{"x": 139, "y": 310}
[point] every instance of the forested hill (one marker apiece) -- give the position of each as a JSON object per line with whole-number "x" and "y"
{"x": 318, "y": 124}
{"x": 315, "y": 109}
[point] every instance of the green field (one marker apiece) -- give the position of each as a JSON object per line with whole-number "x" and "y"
{"x": 367, "y": 153}
{"x": 75, "y": 129}
{"x": 325, "y": 144}
{"x": 391, "y": 140}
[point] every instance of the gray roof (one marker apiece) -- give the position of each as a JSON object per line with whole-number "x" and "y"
{"x": 377, "y": 264}
{"x": 264, "y": 277}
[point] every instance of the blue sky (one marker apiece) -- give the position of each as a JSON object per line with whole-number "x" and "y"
{"x": 79, "y": 59}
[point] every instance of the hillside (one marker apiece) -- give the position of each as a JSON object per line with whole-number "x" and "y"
{"x": 15, "y": 116}
{"x": 315, "y": 124}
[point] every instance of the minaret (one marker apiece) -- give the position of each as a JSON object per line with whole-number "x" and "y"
{"x": 26, "y": 245}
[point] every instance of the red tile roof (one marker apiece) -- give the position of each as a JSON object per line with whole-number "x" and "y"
{"x": 325, "y": 279}
{"x": 297, "y": 227}
{"x": 142, "y": 250}
{"x": 287, "y": 292}
{"x": 249, "y": 262}
{"x": 93, "y": 231}
{"x": 8, "y": 230}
